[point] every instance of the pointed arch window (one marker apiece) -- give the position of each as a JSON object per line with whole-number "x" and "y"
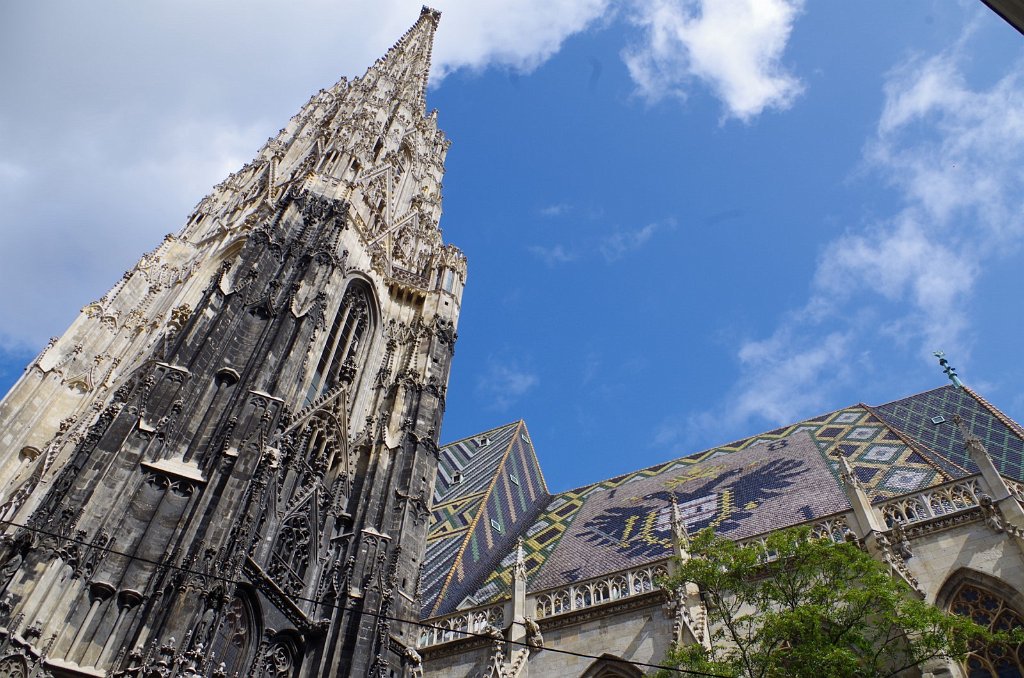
{"x": 278, "y": 662}
{"x": 13, "y": 666}
{"x": 290, "y": 559}
{"x": 234, "y": 640}
{"x": 610, "y": 666}
{"x": 345, "y": 346}
{"x": 988, "y": 608}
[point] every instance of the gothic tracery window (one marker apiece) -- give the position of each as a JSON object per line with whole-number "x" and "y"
{"x": 13, "y": 667}
{"x": 991, "y": 610}
{"x": 348, "y": 333}
{"x": 234, "y": 637}
{"x": 277, "y": 662}
{"x": 290, "y": 559}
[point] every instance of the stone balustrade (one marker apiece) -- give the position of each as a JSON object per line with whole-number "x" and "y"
{"x": 588, "y": 593}
{"x": 462, "y": 624}
{"x": 835, "y": 527}
{"x": 934, "y": 502}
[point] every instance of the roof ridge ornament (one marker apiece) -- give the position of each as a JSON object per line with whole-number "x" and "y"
{"x": 679, "y": 532}
{"x": 520, "y": 564}
{"x": 948, "y": 369}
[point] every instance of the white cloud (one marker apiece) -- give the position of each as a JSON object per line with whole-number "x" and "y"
{"x": 904, "y": 262}
{"x": 957, "y": 156}
{"x": 784, "y": 375}
{"x": 115, "y": 122}
{"x": 906, "y": 281}
{"x": 620, "y": 243}
{"x": 970, "y": 166}
{"x": 733, "y": 46}
{"x": 504, "y": 383}
{"x": 515, "y": 33}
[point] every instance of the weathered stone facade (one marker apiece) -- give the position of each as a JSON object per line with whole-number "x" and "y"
{"x": 224, "y": 466}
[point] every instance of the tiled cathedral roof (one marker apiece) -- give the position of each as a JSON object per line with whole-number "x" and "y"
{"x": 769, "y": 481}
{"x": 489, "y": 488}
{"x": 917, "y": 414}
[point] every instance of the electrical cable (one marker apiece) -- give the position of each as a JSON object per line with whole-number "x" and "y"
{"x": 228, "y": 580}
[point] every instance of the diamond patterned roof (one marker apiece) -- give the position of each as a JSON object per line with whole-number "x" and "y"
{"x": 919, "y": 418}
{"x": 779, "y": 478}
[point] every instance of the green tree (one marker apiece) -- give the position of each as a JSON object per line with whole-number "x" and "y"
{"x": 800, "y": 606}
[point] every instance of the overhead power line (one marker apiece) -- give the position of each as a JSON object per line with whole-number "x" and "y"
{"x": 421, "y": 624}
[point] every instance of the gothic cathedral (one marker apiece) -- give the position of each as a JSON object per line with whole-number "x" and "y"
{"x": 224, "y": 467}
{"x": 228, "y": 467}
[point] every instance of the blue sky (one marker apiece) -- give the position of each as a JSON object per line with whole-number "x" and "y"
{"x": 685, "y": 224}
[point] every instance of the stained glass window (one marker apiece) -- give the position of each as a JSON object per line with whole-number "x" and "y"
{"x": 990, "y": 610}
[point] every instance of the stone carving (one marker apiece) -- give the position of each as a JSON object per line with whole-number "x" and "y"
{"x": 534, "y": 638}
{"x": 218, "y": 428}
{"x": 13, "y": 666}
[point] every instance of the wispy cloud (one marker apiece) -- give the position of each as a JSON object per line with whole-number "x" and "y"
{"x": 786, "y": 376}
{"x": 556, "y": 210}
{"x": 733, "y": 46}
{"x": 504, "y": 382}
{"x": 955, "y": 154}
{"x": 610, "y": 247}
{"x": 623, "y": 241}
{"x": 554, "y": 255}
{"x": 907, "y": 280}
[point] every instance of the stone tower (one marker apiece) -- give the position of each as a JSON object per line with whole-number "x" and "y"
{"x": 223, "y": 467}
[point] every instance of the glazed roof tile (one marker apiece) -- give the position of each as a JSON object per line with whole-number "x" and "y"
{"x": 928, "y": 419}
{"x": 475, "y": 521}
{"x": 780, "y": 478}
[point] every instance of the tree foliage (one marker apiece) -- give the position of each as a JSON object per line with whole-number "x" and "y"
{"x": 799, "y": 606}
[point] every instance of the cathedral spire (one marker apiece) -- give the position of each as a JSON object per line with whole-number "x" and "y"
{"x": 259, "y": 399}
{"x": 407, "y": 64}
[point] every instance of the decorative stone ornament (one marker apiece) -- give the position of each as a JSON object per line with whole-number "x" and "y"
{"x": 233, "y": 446}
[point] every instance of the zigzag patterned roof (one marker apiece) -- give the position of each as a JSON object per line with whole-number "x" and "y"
{"x": 489, "y": 488}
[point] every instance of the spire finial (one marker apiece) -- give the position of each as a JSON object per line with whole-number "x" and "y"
{"x": 408, "y": 60}
{"x": 846, "y": 471}
{"x": 519, "y": 568}
{"x": 948, "y": 369}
